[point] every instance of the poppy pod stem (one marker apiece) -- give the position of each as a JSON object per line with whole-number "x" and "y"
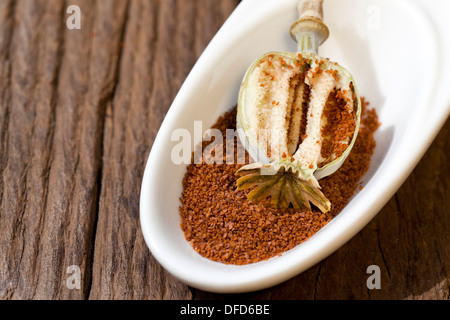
{"x": 309, "y": 30}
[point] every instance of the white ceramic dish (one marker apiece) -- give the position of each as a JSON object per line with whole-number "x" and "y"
{"x": 398, "y": 52}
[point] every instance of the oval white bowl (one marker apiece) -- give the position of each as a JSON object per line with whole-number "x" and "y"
{"x": 382, "y": 43}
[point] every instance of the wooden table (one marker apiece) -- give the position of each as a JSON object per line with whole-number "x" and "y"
{"x": 79, "y": 110}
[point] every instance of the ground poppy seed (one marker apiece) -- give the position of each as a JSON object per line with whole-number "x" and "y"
{"x": 221, "y": 224}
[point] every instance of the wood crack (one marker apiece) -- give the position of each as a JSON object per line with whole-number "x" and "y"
{"x": 381, "y": 251}
{"x": 108, "y": 100}
{"x": 316, "y": 280}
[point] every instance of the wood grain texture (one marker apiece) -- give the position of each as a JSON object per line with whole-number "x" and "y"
{"x": 79, "y": 110}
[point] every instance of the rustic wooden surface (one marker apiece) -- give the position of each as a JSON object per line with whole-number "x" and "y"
{"x": 79, "y": 110}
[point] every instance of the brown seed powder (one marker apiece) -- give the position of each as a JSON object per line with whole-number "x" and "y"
{"x": 223, "y": 225}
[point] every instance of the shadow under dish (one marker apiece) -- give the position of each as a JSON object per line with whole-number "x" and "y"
{"x": 221, "y": 224}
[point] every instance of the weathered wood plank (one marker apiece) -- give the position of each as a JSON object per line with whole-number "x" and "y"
{"x": 33, "y": 51}
{"x": 60, "y": 82}
{"x": 86, "y": 84}
{"x": 120, "y": 254}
